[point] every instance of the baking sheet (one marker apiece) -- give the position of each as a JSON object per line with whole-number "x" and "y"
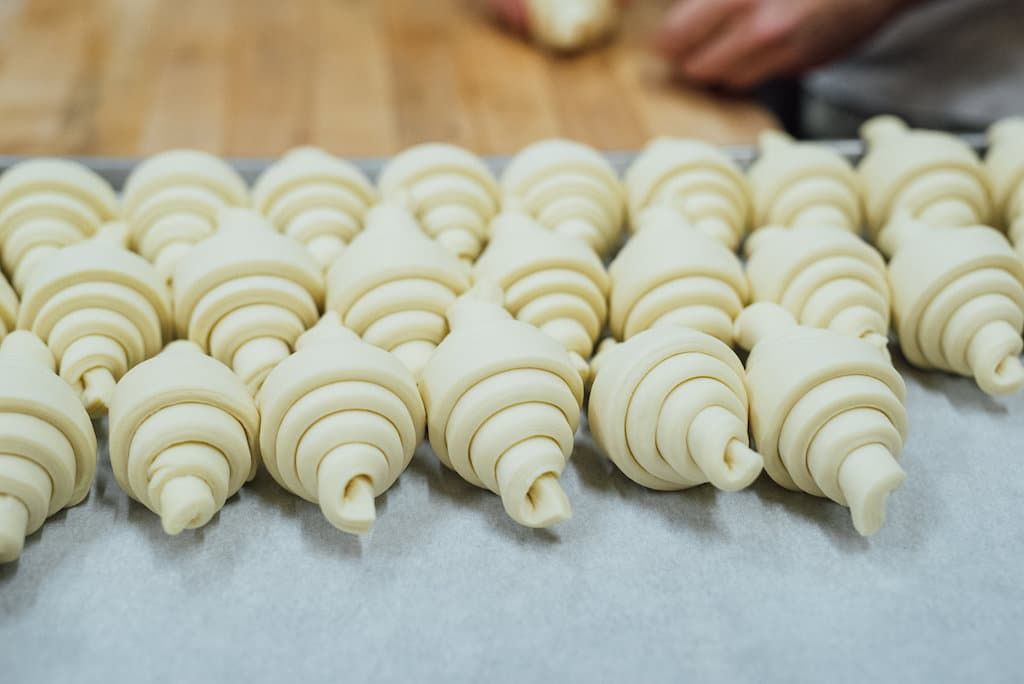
{"x": 764, "y": 584}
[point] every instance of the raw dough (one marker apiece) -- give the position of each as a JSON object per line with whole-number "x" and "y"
{"x": 340, "y": 422}
{"x": 826, "y": 412}
{"x": 318, "y": 199}
{"x": 571, "y": 24}
{"x": 46, "y": 204}
{"x": 696, "y": 178}
{"x": 669, "y": 273}
{"x": 1006, "y": 173}
{"x": 172, "y": 200}
{"x": 503, "y": 403}
{"x": 958, "y": 302}
{"x": 47, "y": 443}
{"x": 804, "y": 184}
{"x": 823, "y": 275}
{"x": 551, "y": 281}
{"x": 926, "y": 175}
{"x": 569, "y": 188}
{"x": 8, "y": 307}
{"x": 101, "y": 309}
{"x": 669, "y": 407}
{"x": 183, "y": 431}
{"x": 245, "y": 294}
{"x": 393, "y": 285}
{"x": 450, "y": 191}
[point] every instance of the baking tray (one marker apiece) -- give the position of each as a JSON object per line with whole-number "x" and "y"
{"x": 765, "y": 585}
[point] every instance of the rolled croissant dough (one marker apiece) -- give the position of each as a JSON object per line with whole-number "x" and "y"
{"x": 571, "y": 24}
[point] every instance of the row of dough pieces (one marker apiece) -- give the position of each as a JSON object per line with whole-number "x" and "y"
{"x": 248, "y": 294}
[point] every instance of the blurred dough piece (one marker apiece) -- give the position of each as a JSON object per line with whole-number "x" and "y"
{"x": 571, "y": 24}
{"x": 8, "y": 307}
{"x": 183, "y": 432}
{"x": 1006, "y": 173}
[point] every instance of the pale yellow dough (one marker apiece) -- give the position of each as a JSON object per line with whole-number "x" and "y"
{"x": 316, "y": 198}
{"x": 826, "y": 412}
{"x": 804, "y": 184}
{"x": 8, "y": 307}
{"x": 669, "y": 407}
{"x": 823, "y": 275}
{"x": 172, "y": 199}
{"x": 47, "y": 443}
{"x": 183, "y": 432}
{"x": 101, "y": 309}
{"x": 503, "y": 403}
{"x": 695, "y": 178}
{"x": 245, "y": 294}
{"x": 46, "y": 204}
{"x": 958, "y": 302}
{"x": 393, "y": 285}
{"x": 449, "y": 190}
{"x": 571, "y": 24}
{"x": 929, "y": 176}
{"x": 340, "y": 422}
{"x": 569, "y": 188}
{"x": 670, "y": 273}
{"x": 1005, "y": 163}
{"x": 550, "y": 281}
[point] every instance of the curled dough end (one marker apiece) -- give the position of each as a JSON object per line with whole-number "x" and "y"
{"x": 530, "y": 491}
{"x": 350, "y": 507}
{"x": 13, "y": 528}
{"x": 186, "y": 503}
{"x": 97, "y": 389}
{"x": 994, "y": 355}
{"x": 734, "y": 470}
{"x": 867, "y": 477}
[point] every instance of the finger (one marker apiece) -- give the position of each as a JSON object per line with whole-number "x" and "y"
{"x": 776, "y": 61}
{"x": 514, "y": 14}
{"x": 688, "y": 25}
{"x": 712, "y": 61}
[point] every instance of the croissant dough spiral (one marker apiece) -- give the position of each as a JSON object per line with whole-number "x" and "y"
{"x": 8, "y": 307}
{"x": 47, "y": 443}
{"x": 245, "y": 294}
{"x": 569, "y": 188}
{"x": 826, "y": 412}
{"x": 101, "y": 310}
{"x": 183, "y": 431}
{"x": 571, "y": 24}
{"x": 46, "y": 204}
{"x": 503, "y": 403}
{"x": 449, "y": 190}
{"x": 393, "y": 285}
{"x": 669, "y": 407}
{"x": 804, "y": 184}
{"x": 550, "y": 281}
{"x": 340, "y": 422}
{"x": 316, "y": 198}
{"x": 929, "y": 176}
{"x": 958, "y": 303}
{"x": 1005, "y": 162}
{"x": 669, "y": 273}
{"x": 695, "y": 178}
{"x": 825, "y": 276}
{"x": 172, "y": 199}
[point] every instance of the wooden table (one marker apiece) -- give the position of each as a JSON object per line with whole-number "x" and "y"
{"x": 360, "y": 77}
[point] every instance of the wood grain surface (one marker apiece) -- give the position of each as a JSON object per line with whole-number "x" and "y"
{"x": 359, "y": 77}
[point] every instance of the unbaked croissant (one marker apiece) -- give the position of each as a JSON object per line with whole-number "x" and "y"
{"x": 930, "y": 176}
{"x": 8, "y": 307}
{"x": 172, "y": 199}
{"x": 695, "y": 178}
{"x": 569, "y": 188}
{"x": 1005, "y": 163}
{"x": 825, "y": 276}
{"x": 803, "y": 184}
{"x": 245, "y": 294}
{"x": 571, "y": 24}
{"x": 46, "y": 204}
{"x": 101, "y": 309}
{"x": 340, "y": 422}
{"x": 503, "y": 404}
{"x": 47, "y": 443}
{"x": 551, "y": 281}
{"x": 393, "y": 285}
{"x": 316, "y": 198}
{"x": 451, "y": 192}
{"x": 669, "y": 273}
{"x": 183, "y": 431}
{"x": 826, "y": 412}
{"x": 669, "y": 407}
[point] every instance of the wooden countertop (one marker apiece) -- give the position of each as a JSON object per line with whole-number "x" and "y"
{"x": 360, "y": 77}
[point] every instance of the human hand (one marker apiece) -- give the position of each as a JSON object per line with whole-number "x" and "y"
{"x": 739, "y": 43}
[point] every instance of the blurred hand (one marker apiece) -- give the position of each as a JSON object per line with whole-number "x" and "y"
{"x": 739, "y": 43}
